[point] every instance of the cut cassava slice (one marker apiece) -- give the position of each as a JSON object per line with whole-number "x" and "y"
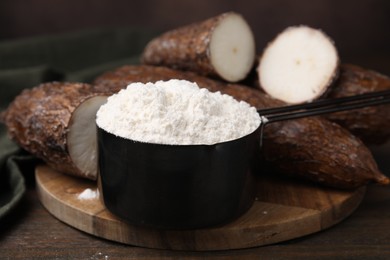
{"x": 298, "y": 65}
{"x": 221, "y": 46}
{"x": 310, "y": 148}
{"x": 371, "y": 124}
{"x": 56, "y": 122}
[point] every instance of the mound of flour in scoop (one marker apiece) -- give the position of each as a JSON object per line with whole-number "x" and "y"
{"x": 176, "y": 112}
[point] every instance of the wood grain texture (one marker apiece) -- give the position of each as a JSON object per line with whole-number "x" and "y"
{"x": 284, "y": 209}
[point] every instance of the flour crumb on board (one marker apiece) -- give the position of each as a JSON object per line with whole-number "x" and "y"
{"x": 88, "y": 194}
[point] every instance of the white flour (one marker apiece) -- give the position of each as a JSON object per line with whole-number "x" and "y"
{"x": 176, "y": 112}
{"x": 88, "y": 194}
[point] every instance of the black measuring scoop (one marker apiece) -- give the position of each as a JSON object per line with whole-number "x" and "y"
{"x": 194, "y": 186}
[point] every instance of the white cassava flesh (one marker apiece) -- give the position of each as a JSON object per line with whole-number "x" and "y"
{"x": 232, "y": 48}
{"x": 298, "y": 65}
{"x": 81, "y": 138}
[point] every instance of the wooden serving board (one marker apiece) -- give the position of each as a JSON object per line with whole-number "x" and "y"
{"x": 284, "y": 209}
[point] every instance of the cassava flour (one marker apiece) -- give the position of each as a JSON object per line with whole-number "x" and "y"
{"x": 176, "y": 112}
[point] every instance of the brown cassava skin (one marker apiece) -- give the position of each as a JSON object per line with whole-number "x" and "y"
{"x": 371, "y": 124}
{"x": 321, "y": 151}
{"x": 39, "y": 118}
{"x": 185, "y": 48}
{"x": 311, "y": 148}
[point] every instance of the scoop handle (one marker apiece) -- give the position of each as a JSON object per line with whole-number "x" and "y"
{"x": 320, "y": 107}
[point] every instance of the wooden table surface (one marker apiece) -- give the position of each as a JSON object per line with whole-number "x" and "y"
{"x": 30, "y": 232}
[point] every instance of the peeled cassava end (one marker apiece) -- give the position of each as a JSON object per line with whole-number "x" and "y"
{"x": 56, "y": 123}
{"x": 232, "y": 48}
{"x": 81, "y": 138}
{"x": 298, "y": 65}
{"x": 222, "y": 46}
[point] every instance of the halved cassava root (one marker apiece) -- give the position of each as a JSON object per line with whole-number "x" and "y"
{"x": 298, "y": 65}
{"x": 310, "y": 148}
{"x": 55, "y": 122}
{"x": 221, "y": 46}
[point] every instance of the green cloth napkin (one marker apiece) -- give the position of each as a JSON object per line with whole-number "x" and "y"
{"x": 76, "y": 57}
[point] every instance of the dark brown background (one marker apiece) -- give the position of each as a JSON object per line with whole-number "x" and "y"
{"x": 361, "y": 32}
{"x": 359, "y": 28}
